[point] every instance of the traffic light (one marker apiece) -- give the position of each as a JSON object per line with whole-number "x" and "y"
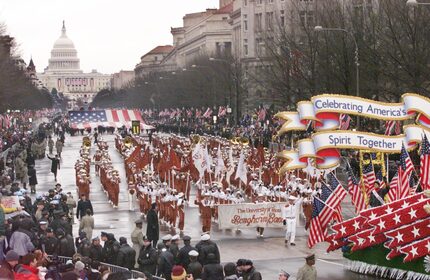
{"x": 135, "y": 127}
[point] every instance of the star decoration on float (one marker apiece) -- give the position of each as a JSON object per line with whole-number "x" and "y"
{"x": 416, "y": 232}
{"x": 397, "y": 219}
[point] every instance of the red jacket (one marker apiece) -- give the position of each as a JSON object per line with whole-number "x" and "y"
{"x": 25, "y": 272}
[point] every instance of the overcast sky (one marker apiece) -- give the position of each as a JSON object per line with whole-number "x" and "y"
{"x": 109, "y": 35}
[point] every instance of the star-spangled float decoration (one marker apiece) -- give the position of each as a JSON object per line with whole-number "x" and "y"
{"x": 403, "y": 226}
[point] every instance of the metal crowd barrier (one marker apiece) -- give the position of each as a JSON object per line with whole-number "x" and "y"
{"x": 114, "y": 268}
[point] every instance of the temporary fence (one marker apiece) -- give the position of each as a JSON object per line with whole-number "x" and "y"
{"x": 114, "y": 268}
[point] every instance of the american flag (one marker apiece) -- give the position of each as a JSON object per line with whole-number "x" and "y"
{"x": 222, "y": 111}
{"x": 394, "y": 186}
{"x": 262, "y": 114}
{"x": 344, "y": 121}
{"x": 324, "y": 210}
{"x": 405, "y": 169}
{"x": 358, "y": 197}
{"x": 425, "y": 164}
{"x": 339, "y": 193}
{"x": 208, "y": 113}
{"x": 113, "y": 118}
{"x": 392, "y": 126}
{"x": 369, "y": 178}
{"x": 316, "y": 231}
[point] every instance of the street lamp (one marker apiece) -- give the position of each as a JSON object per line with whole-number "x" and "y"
{"x": 319, "y": 28}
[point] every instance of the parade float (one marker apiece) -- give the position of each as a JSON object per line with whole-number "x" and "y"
{"x": 391, "y": 240}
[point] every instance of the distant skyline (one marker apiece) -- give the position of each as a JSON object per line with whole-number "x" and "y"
{"x": 109, "y": 35}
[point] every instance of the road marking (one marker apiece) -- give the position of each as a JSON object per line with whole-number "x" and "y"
{"x": 330, "y": 262}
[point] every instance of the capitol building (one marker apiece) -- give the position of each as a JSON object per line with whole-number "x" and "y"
{"x": 65, "y": 75}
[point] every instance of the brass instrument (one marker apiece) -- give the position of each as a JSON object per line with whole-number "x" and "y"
{"x": 128, "y": 142}
{"x": 195, "y": 139}
{"x": 86, "y": 141}
{"x": 244, "y": 141}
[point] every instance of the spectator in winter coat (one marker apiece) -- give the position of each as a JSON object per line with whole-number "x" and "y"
{"x": 8, "y": 264}
{"x": 195, "y": 268}
{"x": 212, "y": 270}
{"x": 183, "y": 257}
{"x": 126, "y": 254}
{"x": 27, "y": 270}
{"x": 110, "y": 248}
{"x": 96, "y": 250}
{"x": 165, "y": 262}
{"x": 83, "y": 205}
{"x": 147, "y": 257}
{"x": 87, "y": 224}
{"x": 249, "y": 272}
{"x": 20, "y": 240}
{"x": 230, "y": 272}
{"x": 205, "y": 247}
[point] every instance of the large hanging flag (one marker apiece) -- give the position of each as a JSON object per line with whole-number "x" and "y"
{"x": 109, "y": 117}
{"x": 425, "y": 164}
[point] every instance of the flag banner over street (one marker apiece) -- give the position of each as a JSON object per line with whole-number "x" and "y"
{"x": 108, "y": 117}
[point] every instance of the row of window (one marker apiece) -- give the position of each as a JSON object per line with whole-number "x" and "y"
{"x": 260, "y": 2}
{"x": 306, "y": 19}
{"x": 63, "y": 54}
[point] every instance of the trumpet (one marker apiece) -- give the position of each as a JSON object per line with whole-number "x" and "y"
{"x": 127, "y": 142}
{"x": 244, "y": 141}
{"x": 86, "y": 141}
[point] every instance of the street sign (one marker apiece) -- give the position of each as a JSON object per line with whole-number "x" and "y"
{"x": 135, "y": 127}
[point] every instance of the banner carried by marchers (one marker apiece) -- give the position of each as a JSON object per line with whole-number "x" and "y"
{"x": 249, "y": 215}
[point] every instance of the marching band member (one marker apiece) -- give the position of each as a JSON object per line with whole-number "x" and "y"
{"x": 289, "y": 216}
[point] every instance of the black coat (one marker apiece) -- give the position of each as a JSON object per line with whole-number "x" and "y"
{"x": 195, "y": 268}
{"x": 251, "y": 274}
{"x": 183, "y": 258}
{"x": 110, "y": 250}
{"x": 126, "y": 257}
{"x": 82, "y": 208}
{"x": 55, "y": 164}
{"x": 148, "y": 260}
{"x": 152, "y": 230}
{"x": 32, "y": 178}
{"x": 212, "y": 271}
{"x": 66, "y": 246}
{"x": 51, "y": 245}
{"x": 96, "y": 252}
{"x": 205, "y": 248}
{"x": 165, "y": 265}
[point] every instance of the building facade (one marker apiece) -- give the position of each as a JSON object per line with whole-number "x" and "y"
{"x": 122, "y": 79}
{"x": 65, "y": 75}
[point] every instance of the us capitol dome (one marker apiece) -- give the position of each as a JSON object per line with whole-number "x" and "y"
{"x": 64, "y": 57}
{"x": 64, "y": 74}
